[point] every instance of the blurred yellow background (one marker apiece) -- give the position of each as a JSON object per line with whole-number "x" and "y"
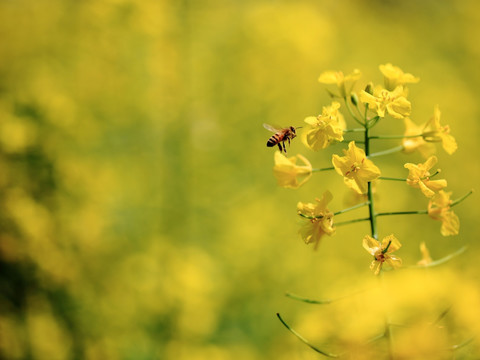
{"x": 140, "y": 218}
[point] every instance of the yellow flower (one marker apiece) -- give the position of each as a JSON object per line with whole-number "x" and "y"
{"x": 394, "y": 76}
{"x": 320, "y": 219}
{"x": 435, "y": 132}
{"x": 419, "y": 177}
{"x": 382, "y": 100}
{"x": 426, "y": 259}
{"x": 416, "y": 143}
{"x": 337, "y": 77}
{"x": 288, "y": 173}
{"x": 382, "y": 252}
{"x": 325, "y": 128}
{"x": 355, "y": 168}
{"x": 439, "y": 209}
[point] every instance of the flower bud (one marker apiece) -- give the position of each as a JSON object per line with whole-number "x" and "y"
{"x": 354, "y": 99}
{"x": 369, "y": 88}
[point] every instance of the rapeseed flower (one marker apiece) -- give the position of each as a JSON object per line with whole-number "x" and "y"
{"x": 426, "y": 258}
{"x": 419, "y": 177}
{"x": 339, "y": 79}
{"x": 288, "y": 173}
{"x": 355, "y": 168}
{"x": 382, "y": 100}
{"x": 439, "y": 209}
{"x": 435, "y": 132}
{"x": 411, "y": 144}
{"x": 320, "y": 219}
{"x": 325, "y": 128}
{"x": 394, "y": 76}
{"x": 382, "y": 252}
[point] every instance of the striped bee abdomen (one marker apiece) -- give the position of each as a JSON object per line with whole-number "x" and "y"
{"x": 274, "y": 140}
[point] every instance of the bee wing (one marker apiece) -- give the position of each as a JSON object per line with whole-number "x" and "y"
{"x": 271, "y": 128}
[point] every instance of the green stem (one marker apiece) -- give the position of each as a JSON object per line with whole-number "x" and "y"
{"x": 414, "y": 212}
{"x": 305, "y": 341}
{"x": 310, "y": 217}
{"x": 371, "y": 208}
{"x": 351, "y": 112}
{"x": 341, "y": 223}
{"x": 390, "y": 178}
{"x": 422, "y": 178}
{"x": 337, "y": 213}
{"x": 308, "y": 301}
{"x": 320, "y": 302}
{"x": 386, "y": 152}
{"x": 351, "y": 208}
{"x": 440, "y": 261}
{"x": 323, "y": 169}
{"x": 381, "y": 137}
{"x": 373, "y": 121}
{"x": 465, "y": 343}
{"x": 458, "y": 201}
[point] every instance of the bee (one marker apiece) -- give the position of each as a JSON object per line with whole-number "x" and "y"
{"x": 280, "y": 136}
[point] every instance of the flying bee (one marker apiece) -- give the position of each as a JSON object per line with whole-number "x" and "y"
{"x": 280, "y": 136}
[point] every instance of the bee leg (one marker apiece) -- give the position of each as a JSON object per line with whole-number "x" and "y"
{"x": 280, "y": 147}
{"x": 284, "y": 149}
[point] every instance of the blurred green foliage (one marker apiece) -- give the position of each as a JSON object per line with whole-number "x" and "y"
{"x": 139, "y": 215}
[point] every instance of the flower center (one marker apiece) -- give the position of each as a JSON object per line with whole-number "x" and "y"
{"x": 379, "y": 255}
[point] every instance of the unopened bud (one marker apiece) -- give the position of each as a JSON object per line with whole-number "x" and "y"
{"x": 369, "y": 88}
{"x": 354, "y": 99}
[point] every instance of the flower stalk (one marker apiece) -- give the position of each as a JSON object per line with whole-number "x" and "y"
{"x": 367, "y": 108}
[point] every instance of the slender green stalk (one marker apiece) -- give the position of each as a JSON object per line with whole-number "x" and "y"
{"x": 356, "y": 141}
{"x": 309, "y": 301}
{"x": 440, "y": 261}
{"x": 413, "y": 212}
{"x": 372, "y": 122}
{"x": 458, "y": 201}
{"x": 351, "y": 208}
{"x": 391, "y": 178}
{"x": 465, "y": 343}
{"x": 386, "y": 152}
{"x": 311, "y": 217}
{"x": 341, "y": 223}
{"x": 336, "y": 213}
{"x": 323, "y": 169}
{"x": 385, "y": 137}
{"x": 403, "y": 179}
{"x": 320, "y": 302}
{"x": 305, "y": 341}
{"x": 351, "y": 112}
{"x": 371, "y": 208}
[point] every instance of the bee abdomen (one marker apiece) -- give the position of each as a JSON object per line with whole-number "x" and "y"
{"x": 272, "y": 141}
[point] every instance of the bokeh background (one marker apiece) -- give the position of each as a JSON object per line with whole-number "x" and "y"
{"x": 140, "y": 218}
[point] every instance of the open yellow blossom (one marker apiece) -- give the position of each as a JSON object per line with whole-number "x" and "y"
{"x": 411, "y": 144}
{"x": 338, "y": 78}
{"x": 419, "y": 177}
{"x": 426, "y": 259}
{"x": 382, "y": 100}
{"x": 325, "y": 128}
{"x": 288, "y": 173}
{"x": 320, "y": 219}
{"x": 394, "y": 76}
{"x": 439, "y": 209}
{"x": 382, "y": 252}
{"x": 435, "y": 132}
{"x": 355, "y": 168}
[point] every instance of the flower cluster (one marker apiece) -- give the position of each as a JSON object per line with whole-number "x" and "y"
{"x": 366, "y": 107}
